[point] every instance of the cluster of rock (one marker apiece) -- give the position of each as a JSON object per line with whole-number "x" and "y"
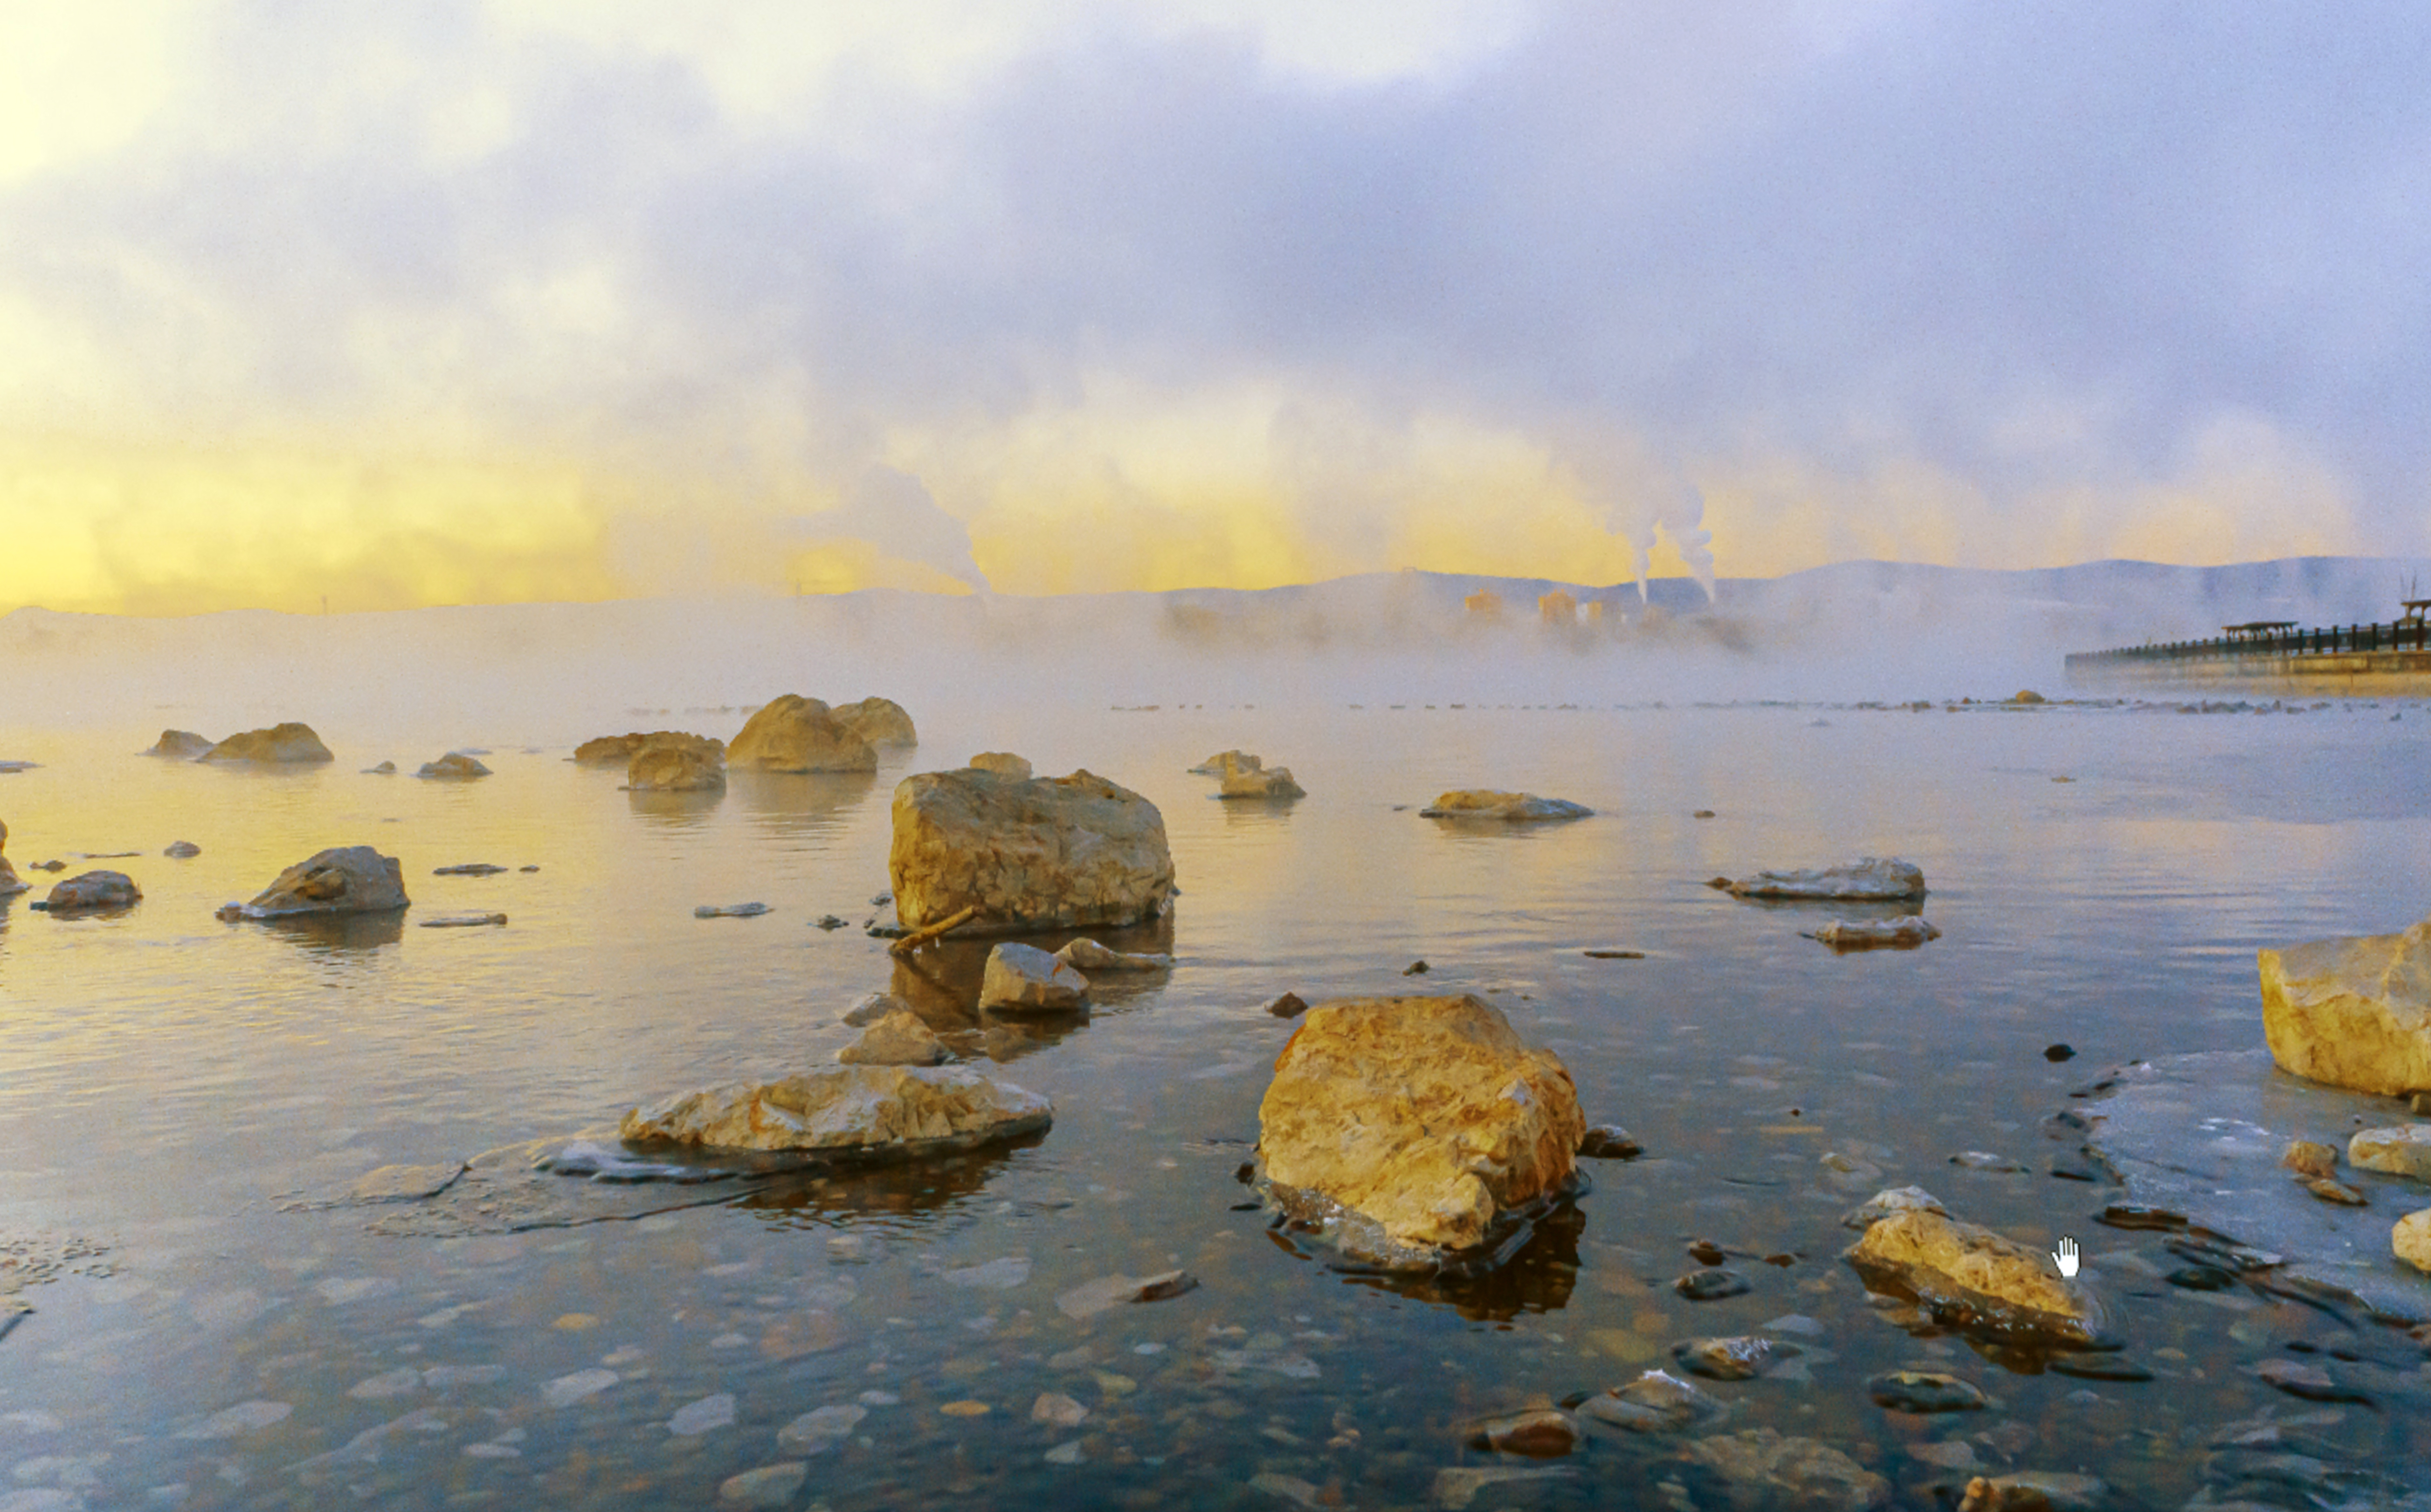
{"x": 286, "y": 743}
{"x": 792, "y": 734}
{"x": 619, "y": 750}
{"x": 1488, "y": 803}
{"x": 1242, "y": 776}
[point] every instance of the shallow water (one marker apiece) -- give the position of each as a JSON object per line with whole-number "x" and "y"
{"x": 187, "y": 1097}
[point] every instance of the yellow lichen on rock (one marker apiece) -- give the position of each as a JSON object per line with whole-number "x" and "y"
{"x": 792, "y": 734}
{"x": 1428, "y": 1117}
{"x": 2354, "y": 1013}
{"x": 1072, "y": 852}
{"x": 2001, "y": 1286}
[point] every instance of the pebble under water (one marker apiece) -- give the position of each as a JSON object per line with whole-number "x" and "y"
{"x": 223, "y": 1318}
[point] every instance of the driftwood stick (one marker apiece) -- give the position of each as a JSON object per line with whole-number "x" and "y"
{"x": 919, "y": 937}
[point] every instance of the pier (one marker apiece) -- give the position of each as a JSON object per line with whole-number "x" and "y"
{"x": 2277, "y": 659}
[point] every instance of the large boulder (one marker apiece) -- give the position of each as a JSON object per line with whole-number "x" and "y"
{"x": 454, "y": 767}
{"x": 1974, "y": 1279}
{"x": 1264, "y": 782}
{"x": 1073, "y": 852}
{"x": 675, "y": 768}
{"x": 797, "y": 734}
{"x": 342, "y": 880}
{"x": 2403, "y": 1149}
{"x": 1416, "y": 1131}
{"x": 284, "y": 744}
{"x": 2355, "y": 1012}
{"x": 93, "y": 891}
{"x": 878, "y": 721}
{"x": 1865, "y": 880}
{"x": 8, "y": 880}
{"x": 1486, "y": 803}
{"x": 1025, "y": 979}
{"x": 181, "y": 745}
{"x": 848, "y": 1110}
{"x": 619, "y": 751}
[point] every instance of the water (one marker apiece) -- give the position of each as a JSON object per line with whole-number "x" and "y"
{"x": 181, "y": 1099}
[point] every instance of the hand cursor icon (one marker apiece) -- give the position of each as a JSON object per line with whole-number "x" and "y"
{"x": 2065, "y": 1257}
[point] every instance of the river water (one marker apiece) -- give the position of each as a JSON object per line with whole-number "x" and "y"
{"x": 182, "y": 1101}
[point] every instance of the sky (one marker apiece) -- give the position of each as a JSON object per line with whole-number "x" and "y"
{"x": 508, "y": 300}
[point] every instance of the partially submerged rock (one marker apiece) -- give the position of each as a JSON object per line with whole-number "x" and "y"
{"x": 1226, "y": 763}
{"x": 863, "y": 1111}
{"x": 881, "y": 722}
{"x": 182, "y": 850}
{"x": 279, "y": 744}
{"x": 1903, "y": 933}
{"x": 675, "y": 769}
{"x": 2403, "y": 1149}
{"x": 1091, "y": 1298}
{"x": 1003, "y": 764}
{"x": 1540, "y": 1433}
{"x": 1267, "y": 783}
{"x": 462, "y": 921}
{"x": 1072, "y": 852}
{"x": 2038, "y": 1491}
{"x": 1896, "y": 1200}
{"x": 93, "y": 892}
{"x": 1865, "y": 879}
{"x": 1974, "y": 1279}
{"x": 1088, "y": 955}
{"x": 2410, "y": 1239}
{"x": 342, "y": 880}
{"x": 9, "y": 882}
{"x": 2310, "y": 1157}
{"x": 792, "y": 734}
{"x": 1488, "y": 803}
{"x": 2353, "y": 1012}
{"x": 1655, "y": 1402}
{"x": 619, "y": 750}
{"x": 1762, "y": 1472}
{"x": 1417, "y": 1133}
{"x": 1025, "y": 979}
{"x": 454, "y": 767}
{"x": 1741, "y": 1357}
{"x": 751, "y": 910}
{"x": 181, "y": 745}
{"x": 897, "y": 1038}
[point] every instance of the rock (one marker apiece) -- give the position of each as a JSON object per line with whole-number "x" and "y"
{"x": 1609, "y": 955}
{"x": 770, "y": 1486}
{"x": 1740, "y": 1358}
{"x": 1711, "y": 1283}
{"x": 1412, "y": 1130}
{"x": 1540, "y": 1433}
{"x": 1091, "y": 1298}
{"x": 881, "y": 722}
{"x": 462, "y": 921}
{"x": 1975, "y": 1279}
{"x": 820, "y": 1427}
{"x": 2335, "y": 1191}
{"x": 280, "y": 744}
{"x": 468, "y": 869}
{"x": 2309, "y": 1382}
{"x": 619, "y": 750}
{"x": 1865, "y": 880}
{"x": 1609, "y": 1141}
{"x": 9, "y": 882}
{"x": 899, "y": 1038}
{"x": 848, "y": 1110}
{"x": 404, "y": 1183}
{"x": 454, "y": 767}
{"x": 92, "y": 891}
{"x": 1416, "y": 969}
{"x": 1289, "y": 1005}
{"x": 1655, "y": 1402}
{"x": 2057, "y": 1053}
{"x": 2353, "y": 1012}
{"x": 796, "y": 735}
{"x": 1984, "y": 1160}
{"x": 1267, "y": 782}
{"x": 751, "y": 910}
{"x": 2034, "y": 1491}
{"x": 383, "y": 770}
{"x": 183, "y": 850}
{"x": 1057, "y": 1410}
{"x": 1226, "y": 763}
{"x": 1485, "y": 803}
{"x": 1088, "y": 955}
{"x": 828, "y": 921}
{"x": 1762, "y": 1472}
{"x": 181, "y": 745}
{"x": 1926, "y": 1391}
{"x": 1002, "y": 763}
{"x": 872, "y": 1008}
{"x": 342, "y": 880}
{"x": 1902, "y": 933}
{"x": 1897, "y": 1200}
{"x": 657, "y": 768}
{"x": 2028, "y": 696}
{"x": 1457, "y": 1485}
{"x": 2401, "y": 1151}
{"x": 1070, "y": 852}
{"x": 1025, "y": 979}
{"x": 2410, "y": 1240}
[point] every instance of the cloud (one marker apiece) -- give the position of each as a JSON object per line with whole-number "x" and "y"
{"x": 1270, "y": 297}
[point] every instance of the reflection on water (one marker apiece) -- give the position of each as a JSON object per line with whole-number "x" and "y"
{"x": 336, "y": 935}
{"x": 193, "y": 1096}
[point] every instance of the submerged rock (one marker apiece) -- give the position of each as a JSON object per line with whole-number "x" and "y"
{"x": 1267, "y": 782}
{"x": 1896, "y": 1200}
{"x": 848, "y": 1110}
{"x": 1762, "y": 1472}
{"x": 656, "y": 768}
{"x": 278, "y": 745}
{"x": 1974, "y": 1279}
{"x": 792, "y": 734}
{"x": 751, "y": 910}
{"x": 1655, "y": 1402}
{"x": 898, "y": 1038}
{"x": 1902, "y": 933}
{"x": 93, "y": 891}
{"x": 181, "y": 745}
{"x": 454, "y": 767}
{"x": 881, "y": 722}
{"x": 2402, "y": 1150}
{"x": 1088, "y": 955}
{"x": 1740, "y": 1358}
{"x": 2353, "y": 1012}
{"x": 1071, "y": 852}
{"x": 2034, "y": 1491}
{"x": 463, "y": 921}
{"x": 1002, "y": 763}
{"x": 1025, "y": 979}
{"x": 342, "y": 880}
{"x": 1486, "y": 803}
{"x": 1416, "y": 1131}
{"x": 1865, "y": 880}
{"x": 1091, "y": 1298}
{"x": 1925, "y": 1391}
{"x": 1540, "y": 1433}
